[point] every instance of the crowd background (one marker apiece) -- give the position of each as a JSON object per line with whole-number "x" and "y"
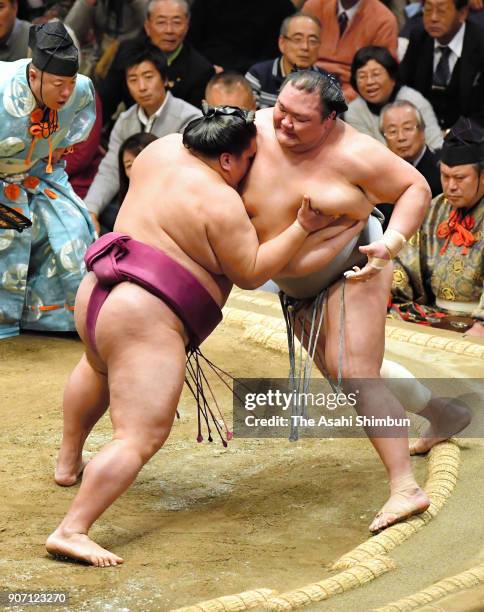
{"x": 409, "y": 70}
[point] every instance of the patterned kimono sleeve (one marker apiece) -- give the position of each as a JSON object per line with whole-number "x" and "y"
{"x": 85, "y": 114}
{"x": 478, "y": 313}
{"x": 408, "y": 283}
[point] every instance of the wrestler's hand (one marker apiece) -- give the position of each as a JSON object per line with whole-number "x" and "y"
{"x": 375, "y": 249}
{"x": 309, "y": 219}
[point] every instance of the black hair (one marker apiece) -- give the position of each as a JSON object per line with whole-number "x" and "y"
{"x": 222, "y": 129}
{"x": 459, "y": 4}
{"x": 381, "y": 55}
{"x": 134, "y": 144}
{"x": 326, "y": 85}
{"x": 134, "y": 52}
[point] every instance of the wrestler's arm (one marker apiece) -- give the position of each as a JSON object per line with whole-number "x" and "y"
{"x": 321, "y": 247}
{"x": 385, "y": 177}
{"x": 234, "y": 240}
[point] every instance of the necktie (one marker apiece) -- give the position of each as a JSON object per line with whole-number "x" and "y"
{"x": 442, "y": 72}
{"x": 342, "y": 22}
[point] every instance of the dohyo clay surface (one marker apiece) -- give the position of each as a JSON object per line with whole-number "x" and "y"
{"x": 202, "y": 522}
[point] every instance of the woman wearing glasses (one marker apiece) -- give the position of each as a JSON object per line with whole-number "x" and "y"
{"x": 374, "y": 75}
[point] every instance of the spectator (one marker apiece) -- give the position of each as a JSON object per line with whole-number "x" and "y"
{"x": 128, "y": 152}
{"x": 445, "y": 61}
{"x": 155, "y": 111}
{"x": 84, "y": 159}
{"x": 414, "y": 20}
{"x": 299, "y": 41}
{"x": 374, "y": 75}
{"x": 52, "y": 10}
{"x": 14, "y": 33}
{"x": 403, "y": 127}
{"x": 111, "y": 21}
{"x": 439, "y": 272}
{"x": 230, "y": 89}
{"x": 118, "y": 19}
{"x": 236, "y": 35}
{"x": 347, "y": 26}
{"x": 165, "y": 26}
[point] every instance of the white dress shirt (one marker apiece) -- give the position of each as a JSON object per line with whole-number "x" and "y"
{"x": 147, "y": 122}
{"x": 350, "y": 13}
{"x": 455, "y": 47}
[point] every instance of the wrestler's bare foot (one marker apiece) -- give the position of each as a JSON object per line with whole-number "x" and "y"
{"x": 446, "y": 418}
{"x": 67, "y": 472}
{"x": 400, "y": 506}
{"x": 80, "y": 547}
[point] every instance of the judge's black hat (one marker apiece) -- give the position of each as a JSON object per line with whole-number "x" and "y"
{"x": 53, "y": 50}
{"x": 464, "y": 144}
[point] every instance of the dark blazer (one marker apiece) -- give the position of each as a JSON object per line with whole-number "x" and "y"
{"x": 465, "y": 92}
{"x": 188, "y": 76}
{"x": 429, "y": 167}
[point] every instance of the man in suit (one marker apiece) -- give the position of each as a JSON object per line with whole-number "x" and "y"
{"x": 299, "y": 40}
{"x": 14, "y": 33}
{"x": 403, "y": 127}
{"x": 165, "y": 26}
{"x": 445, "y": 61}
{"x": 156, "y": 111}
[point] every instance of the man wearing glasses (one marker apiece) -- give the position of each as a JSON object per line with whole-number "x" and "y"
{"x": 403, "y": 127}
{"x": 165, "y": 26}
{"x": 299, "y": 41}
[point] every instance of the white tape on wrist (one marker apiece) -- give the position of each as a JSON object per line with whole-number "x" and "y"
{"x": 378, "y": 262}
{"x": 394, "y": 241}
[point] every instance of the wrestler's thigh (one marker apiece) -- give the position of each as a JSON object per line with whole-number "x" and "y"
{"x": 364, "y": 326}
{"x": 143, "y": 344}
